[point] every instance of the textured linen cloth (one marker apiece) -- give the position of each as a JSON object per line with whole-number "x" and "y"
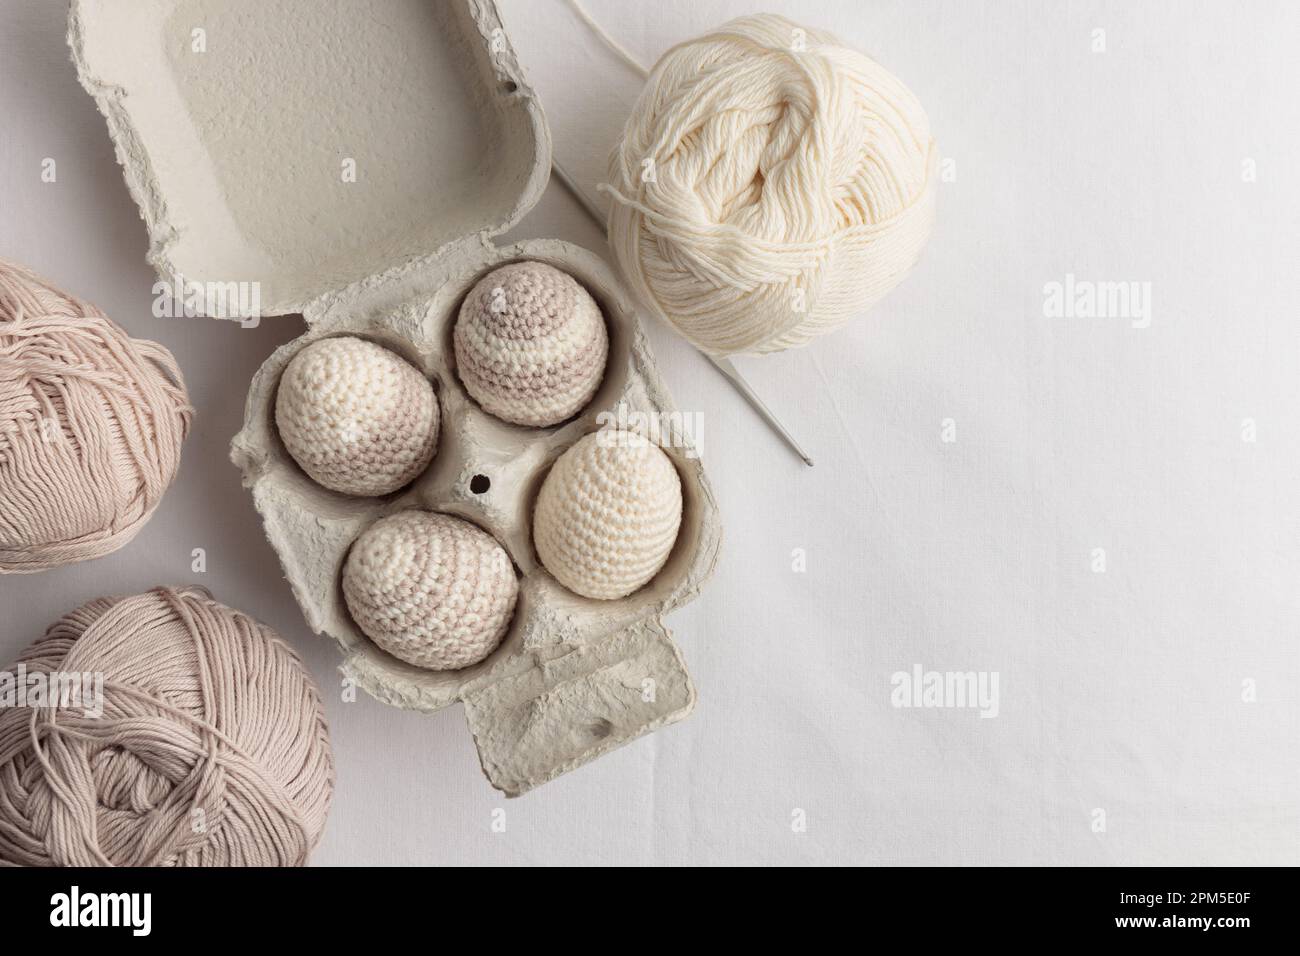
{"x": 1119, "y": 690}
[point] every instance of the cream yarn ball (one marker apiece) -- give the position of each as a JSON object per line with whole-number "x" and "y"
{"x": 91, "y": 427}
{"x": 204, "y": 716}
{"x": 608, "y": 514}
{"x": 432, "y": 590}
{"x": 358, "y": 418}
{"x": 531, "y": 344}
{"x": 770, "y": 184}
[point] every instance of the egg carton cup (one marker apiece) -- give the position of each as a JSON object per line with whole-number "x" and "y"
{"x": 233, "y": 155}
{"x": 573, "y": 676}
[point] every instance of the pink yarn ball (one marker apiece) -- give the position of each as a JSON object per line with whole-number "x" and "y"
{"x": 91, "y": 427}
{"x": 209, "y": 747}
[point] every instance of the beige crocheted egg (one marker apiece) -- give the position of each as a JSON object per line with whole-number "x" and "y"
{"x": 531, "y": 344}
{"x": 433, "y": 590}
{"x": 358, "y": 418}
{"x": 607, "y": 515}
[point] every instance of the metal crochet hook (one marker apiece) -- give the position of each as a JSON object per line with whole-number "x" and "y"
{"x": 723, "y": 365}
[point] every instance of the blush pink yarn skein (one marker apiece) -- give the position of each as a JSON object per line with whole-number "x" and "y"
{"x": 211, "y": 748}
{"x": 91, "y": 427}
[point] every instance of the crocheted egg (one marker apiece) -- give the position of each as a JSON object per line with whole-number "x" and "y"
{"x": 430, "y": 589}
{"x": 358, "y": 418}
{"x": 608, "y": 514}
{"x": 530, "y": 344}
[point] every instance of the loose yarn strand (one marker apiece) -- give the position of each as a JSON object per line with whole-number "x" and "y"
{"x": 609, "y": 41}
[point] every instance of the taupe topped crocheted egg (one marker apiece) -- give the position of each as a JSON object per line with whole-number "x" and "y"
{"x": 608, "y": 514}
{"x": 358, "y": 418}
{"x": 530, "y": 344}
{"x": 432, "y": 590}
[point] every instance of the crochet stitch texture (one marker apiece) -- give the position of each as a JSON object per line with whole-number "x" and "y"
{"x": 358, "y": 418}
{"x": 608, "y": 514}
{"x": 531, "y": 344}
{"x": 432, "y": 590}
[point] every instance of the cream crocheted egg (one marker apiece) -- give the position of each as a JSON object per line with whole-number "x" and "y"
{"x": 531, "y": 344}
{"x": 358, "y": 418}
{"x": 432, "y": 590}
{"x": 608, "y": 514}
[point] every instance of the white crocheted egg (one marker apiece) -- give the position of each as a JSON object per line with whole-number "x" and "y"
{"x": 531, "y": 344}
{"x": 358, "y": 418}
{"x": 432, "y": 590}
{"x": 607, "y": 515}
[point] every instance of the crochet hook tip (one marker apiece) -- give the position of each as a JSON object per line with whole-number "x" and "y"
{"x": 732, "y": 375}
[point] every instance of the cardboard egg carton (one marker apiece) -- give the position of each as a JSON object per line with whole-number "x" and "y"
{"x": 237, "y": 123}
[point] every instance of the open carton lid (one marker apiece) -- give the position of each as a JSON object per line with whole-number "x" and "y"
{"x": 309, "y": 146}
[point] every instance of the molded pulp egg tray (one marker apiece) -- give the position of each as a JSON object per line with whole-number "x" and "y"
{"x": 234, "y": 120}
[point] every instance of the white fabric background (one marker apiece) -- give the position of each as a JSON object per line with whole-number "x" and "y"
{"x": 1120, "y": 691}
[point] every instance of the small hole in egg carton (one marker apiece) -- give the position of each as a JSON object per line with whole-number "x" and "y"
{"x": 480, "y": 484}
